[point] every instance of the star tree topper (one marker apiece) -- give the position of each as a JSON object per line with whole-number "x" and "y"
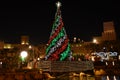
{"x": 58, "y": 4}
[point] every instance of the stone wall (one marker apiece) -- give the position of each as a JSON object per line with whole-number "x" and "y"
{"x": 65, "y": 66}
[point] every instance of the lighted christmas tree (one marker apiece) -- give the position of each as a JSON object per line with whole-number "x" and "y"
{"x": 58, "y": 48}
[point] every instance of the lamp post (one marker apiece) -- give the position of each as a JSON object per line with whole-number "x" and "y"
{"x": 23, "y": 56}
{"x": 95, "y": 41}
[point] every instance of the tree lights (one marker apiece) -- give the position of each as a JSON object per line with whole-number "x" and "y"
{"x": 58, "y": 45}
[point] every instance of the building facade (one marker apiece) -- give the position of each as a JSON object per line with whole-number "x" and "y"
{"x": 25, "y": 40}
{"x": 109, "y": 31}
{"x": 108, "y": 34}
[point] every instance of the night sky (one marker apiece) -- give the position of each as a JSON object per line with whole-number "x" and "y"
{"x": 83, "y": 19}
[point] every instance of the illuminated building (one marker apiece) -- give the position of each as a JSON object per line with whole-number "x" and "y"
{"x": 24, "y": 40}
{"x": 109, "y": 31}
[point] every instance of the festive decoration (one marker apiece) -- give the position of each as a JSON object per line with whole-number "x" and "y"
{"x": 58, "y": 45}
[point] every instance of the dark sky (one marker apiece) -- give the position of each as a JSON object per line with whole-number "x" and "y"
{"x": 83, "y": 19}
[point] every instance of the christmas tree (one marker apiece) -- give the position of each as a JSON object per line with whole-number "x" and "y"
{"x": 58, "y": 48}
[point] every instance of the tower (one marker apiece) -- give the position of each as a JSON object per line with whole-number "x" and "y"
{"x": 109, "y": 31}
{"x": 24, "y": 40}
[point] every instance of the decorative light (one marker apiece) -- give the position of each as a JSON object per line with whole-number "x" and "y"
{"x": 113, "y": 63}
{"x": 30, "y": 47}
{"x": 106, "y": 63}
{"x": 108, "y": 78}
{"x": 0, "y": 62}
{"x": 58, "y": 4}
{"x": 94, "y": 41}
{"x": 115, "y": 77}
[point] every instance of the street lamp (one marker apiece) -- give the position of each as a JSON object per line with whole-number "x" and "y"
{"x": 94, "y": 41}
{"x": 23, "y": 55}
